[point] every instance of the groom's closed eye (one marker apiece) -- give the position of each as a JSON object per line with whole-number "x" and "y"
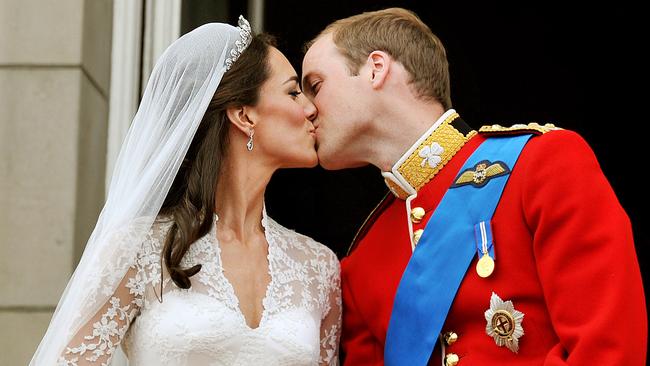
{"x": 314, "y": 87}
{"x": 311, "y": 87}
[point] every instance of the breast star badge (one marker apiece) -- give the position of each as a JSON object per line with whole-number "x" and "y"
{"x": 504, "y": 323}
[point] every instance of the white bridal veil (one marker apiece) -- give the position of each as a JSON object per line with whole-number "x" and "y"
{"x": 177, "y": 95}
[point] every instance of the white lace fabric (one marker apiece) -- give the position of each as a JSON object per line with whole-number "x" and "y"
{"x": 300, "y": 324}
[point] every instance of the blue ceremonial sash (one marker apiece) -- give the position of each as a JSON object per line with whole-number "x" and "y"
{"x": 443, "y": 254}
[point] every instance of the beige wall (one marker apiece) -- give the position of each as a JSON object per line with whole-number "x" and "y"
{"x": 54, "y": 83}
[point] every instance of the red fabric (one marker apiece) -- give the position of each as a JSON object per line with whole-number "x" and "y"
{"x": 564, "y": 256}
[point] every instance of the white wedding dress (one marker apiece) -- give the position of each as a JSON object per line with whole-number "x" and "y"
{"x": 300, "y": 324}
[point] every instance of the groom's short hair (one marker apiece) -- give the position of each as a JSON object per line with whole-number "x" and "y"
{"x": 401, "y": 34}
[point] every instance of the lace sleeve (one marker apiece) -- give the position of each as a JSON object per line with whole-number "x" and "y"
{"x": 96, "y": 341}
{"x": 330, "y": 329}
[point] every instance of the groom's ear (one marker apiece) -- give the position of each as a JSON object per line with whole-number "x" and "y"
{"x": 239, "y": 116}
{"x": 379, "y": 62}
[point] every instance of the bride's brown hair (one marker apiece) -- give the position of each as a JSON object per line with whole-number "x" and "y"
{"x": 191, "y": 198}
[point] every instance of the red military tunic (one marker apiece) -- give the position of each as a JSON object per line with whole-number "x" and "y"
{"x": 564, "y": 257}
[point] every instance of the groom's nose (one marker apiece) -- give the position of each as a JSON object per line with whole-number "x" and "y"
{"x": 311, "y": 112}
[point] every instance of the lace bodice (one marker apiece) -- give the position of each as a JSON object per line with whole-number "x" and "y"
{"x": 203, "y": 325}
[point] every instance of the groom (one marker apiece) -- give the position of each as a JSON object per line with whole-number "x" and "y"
{"x": 488, "y": 250}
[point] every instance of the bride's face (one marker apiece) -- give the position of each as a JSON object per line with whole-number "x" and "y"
{"x": 284, "y": 132}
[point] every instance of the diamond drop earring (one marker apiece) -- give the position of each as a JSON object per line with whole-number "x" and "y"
{"x": 249, "y": 144}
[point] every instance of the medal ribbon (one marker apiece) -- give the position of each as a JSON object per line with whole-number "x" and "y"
{"x": 484, "y": 243}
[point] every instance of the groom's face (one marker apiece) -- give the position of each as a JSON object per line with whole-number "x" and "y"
{"x": 338, "y": 96}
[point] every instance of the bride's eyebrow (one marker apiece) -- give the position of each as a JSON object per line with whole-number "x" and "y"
{"x": 293, "y": 78}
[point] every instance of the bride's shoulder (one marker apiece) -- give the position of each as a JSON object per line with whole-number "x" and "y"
{"x": 144, "y": 233}
{"x": 158, "y": 231}
{"x": 161, "y": 225}
{"x": 303, "y": 246}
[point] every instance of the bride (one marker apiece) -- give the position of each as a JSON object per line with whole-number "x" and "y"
{"x": 184, "y": 266}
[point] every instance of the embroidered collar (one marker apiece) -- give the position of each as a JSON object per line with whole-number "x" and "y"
{"x": 428, "y": 155}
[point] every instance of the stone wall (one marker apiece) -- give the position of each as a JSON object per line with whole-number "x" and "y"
{"x": 54, "y": 87}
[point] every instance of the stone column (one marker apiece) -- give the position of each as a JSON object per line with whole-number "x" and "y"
{"x": 54, "y": 87}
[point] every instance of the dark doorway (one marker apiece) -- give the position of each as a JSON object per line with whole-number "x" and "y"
{"x": 578, "y": 68}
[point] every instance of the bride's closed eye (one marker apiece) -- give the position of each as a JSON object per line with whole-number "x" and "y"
{"x": 295, "y": 93}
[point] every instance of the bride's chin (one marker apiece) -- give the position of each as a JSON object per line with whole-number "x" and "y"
{"x": 307, "y": 160}
{"x": 311, "y": 160}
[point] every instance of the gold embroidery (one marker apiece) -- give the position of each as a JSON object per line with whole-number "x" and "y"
{"x": 430, "y": 156}
{"x": 396, "y": 189}
{"x": 532, "y": 127}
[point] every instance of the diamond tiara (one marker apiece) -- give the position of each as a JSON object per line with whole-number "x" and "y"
{"x": 245, "y": 35}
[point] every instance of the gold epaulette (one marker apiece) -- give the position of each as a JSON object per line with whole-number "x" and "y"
{"x": 533, "y": 127}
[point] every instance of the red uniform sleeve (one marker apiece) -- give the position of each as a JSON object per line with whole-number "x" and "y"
{"x": 359, "y": 347}
{"x": 582, "y": 241}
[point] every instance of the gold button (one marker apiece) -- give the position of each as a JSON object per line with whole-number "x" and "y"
{"x": 451, "y": 359}
{"x": 450, "y": 338}
{"x": 416, "y": 236}
{"x": 417, "y": 213}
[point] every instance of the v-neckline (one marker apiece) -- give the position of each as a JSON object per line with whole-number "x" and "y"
{"x": 231, "y": 289}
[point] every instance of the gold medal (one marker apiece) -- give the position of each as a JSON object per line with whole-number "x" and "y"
{"x": 485, "y": 266}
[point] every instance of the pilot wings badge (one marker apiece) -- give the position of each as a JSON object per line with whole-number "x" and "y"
{"x": 481, "y": 173}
